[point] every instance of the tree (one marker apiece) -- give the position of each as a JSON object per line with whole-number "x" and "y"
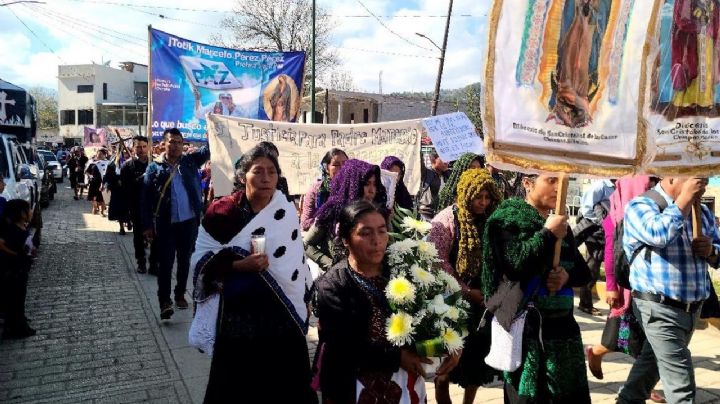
{"x": 282, "y": 26}
{"x": 47, "y": 107}
{"x": 473, "y": 94}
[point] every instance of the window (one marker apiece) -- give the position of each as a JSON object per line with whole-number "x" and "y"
{"x": 141, "y": 89}
{"x": 67, "y": 117}
{"x": 85, "y": 117}
{"x": 366, "y": 115}
{"x": 104, "y": 91}
{"x": 85, "y": 88}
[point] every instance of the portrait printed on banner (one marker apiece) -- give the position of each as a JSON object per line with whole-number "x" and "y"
{"x": 281, "y": 99}
{"x": 686, "y": 74}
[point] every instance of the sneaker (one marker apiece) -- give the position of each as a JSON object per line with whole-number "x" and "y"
{"x": 166, "y": 311}
{"x": 141, "y": 269}
{"x": 181, "y": 303}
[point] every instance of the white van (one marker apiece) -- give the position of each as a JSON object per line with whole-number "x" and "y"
{"x": 20, "y": 181}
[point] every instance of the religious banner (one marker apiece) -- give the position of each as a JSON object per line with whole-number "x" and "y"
{"x": 95, "y": 137}
{"x": 682, "y": 87}
{"x": 190, "y": 79}
{"x": 12, "y": 105}
{"x": 302, "y": 146}
{"x": 453, "y": 135}
{"x": 562, "y": 86}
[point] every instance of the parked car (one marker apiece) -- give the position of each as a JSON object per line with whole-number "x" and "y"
{"x": 53, "y": 164}
{"x": 21, "y": 178}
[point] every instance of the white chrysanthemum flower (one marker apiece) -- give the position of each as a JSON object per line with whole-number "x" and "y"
{"x": 399, "y": 329}
{"x": 399, "y": 249}
{"x": 452, "y": 340}
{"x": 419, "y": 316}
{"x": 427, "y": 250}
{"x": 422, "y": 277}
{"x": 420, "y": 226}
{"x": 438, "y": 306}
{"x": 453, "y": 313}
{"x": 400, "y": 291}
{"x": 451, "y": 284}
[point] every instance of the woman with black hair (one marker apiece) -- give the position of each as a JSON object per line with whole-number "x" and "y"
{"x": 356, "y": 180}
{"x": 260, "y": 353}
{"x": 319, "y": 192}
{"x": 403, "y": 198}
{"x": 357, "y": 363}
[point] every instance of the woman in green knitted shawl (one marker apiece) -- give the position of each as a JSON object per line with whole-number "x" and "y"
{"x": 518, "y": 244}
{"x": 448, "y": 192}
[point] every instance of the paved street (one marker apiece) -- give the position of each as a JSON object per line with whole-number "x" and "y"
{"x": 100, "y": 339}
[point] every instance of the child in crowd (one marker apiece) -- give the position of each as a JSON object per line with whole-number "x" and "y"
{"x": 16, "y": 252}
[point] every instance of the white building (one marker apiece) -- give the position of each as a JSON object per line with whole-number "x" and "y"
{"x": 98, "y": 95}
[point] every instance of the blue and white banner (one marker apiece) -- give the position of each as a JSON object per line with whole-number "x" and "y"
{"x": 189, "y": 79}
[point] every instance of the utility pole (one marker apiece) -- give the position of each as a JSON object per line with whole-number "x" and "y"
{"x": 438, "y": 81}
{"x": 312, "y": 83}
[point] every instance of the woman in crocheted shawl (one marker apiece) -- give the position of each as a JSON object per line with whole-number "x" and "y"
{"x": 457, "y": 233}
{"x": 402, "y": 195}
{"x": 319, "y": 191}
{"x": 449, "y": 190}
{"x": 357, "y": 179}
{"x": 518, "y": 244}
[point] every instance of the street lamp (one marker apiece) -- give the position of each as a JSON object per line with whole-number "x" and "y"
{"x": 436, "y": 95}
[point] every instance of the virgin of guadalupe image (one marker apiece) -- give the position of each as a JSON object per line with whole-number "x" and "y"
{"x": 280, "y": 100}
{"x": 685, "y": 82}
{"x": 575, "y": 80}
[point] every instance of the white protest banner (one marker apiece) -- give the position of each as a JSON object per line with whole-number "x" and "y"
{"x": 453, "y": 135}
{"x": 302, "y": 146}
{"x": 563, "y": 86}
{"x": 682, "y": 89}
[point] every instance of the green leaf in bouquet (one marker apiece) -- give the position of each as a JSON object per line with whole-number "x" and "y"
{"x": 430, "y": 347}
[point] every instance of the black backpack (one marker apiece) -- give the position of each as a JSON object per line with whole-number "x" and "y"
{"x": 621, "y": 264}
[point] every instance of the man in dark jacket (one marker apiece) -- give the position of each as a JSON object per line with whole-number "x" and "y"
{"x": 171, "y": 209}
{"x": 132, "y": 174}
{"x": 431, "y": 181}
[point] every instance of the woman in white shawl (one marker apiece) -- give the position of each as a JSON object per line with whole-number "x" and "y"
{"x": 260, "y": 353}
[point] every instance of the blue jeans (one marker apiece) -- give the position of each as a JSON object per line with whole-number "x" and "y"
{"x": 176, "y": 239}
{"x": 665, "y": 355}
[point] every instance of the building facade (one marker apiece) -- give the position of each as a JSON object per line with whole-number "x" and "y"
{"x": 98, "y": 96}
{"x": 356, "y": 107}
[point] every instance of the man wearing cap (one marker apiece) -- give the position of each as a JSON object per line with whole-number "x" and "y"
{"x": 224, "y": 106}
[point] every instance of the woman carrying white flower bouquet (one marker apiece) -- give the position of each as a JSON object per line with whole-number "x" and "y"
{"x": 358, "y": 363}
{"x": 457, "y": 233}
{"x": 519, "y": 244}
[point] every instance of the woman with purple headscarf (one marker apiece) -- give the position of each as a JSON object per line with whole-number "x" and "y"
{"x": 402, "y": 195}
{"x": 357, "y": 179}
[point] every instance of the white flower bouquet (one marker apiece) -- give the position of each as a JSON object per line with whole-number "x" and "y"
{"x": 428, "y": 308}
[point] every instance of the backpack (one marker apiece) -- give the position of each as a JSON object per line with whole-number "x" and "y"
{"x": 621, "y": 263}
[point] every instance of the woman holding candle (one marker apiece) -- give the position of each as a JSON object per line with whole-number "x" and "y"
{"x": 264, "y": 294}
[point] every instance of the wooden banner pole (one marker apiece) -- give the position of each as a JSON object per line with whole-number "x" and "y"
{"x": 697, "y": 220}
{"x": 560, "y": 209}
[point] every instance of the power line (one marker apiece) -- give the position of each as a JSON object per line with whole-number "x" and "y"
{"x": 388, "y": 28}
{"x": 165, "y": 17}
{"x": 386, "y": 53}
{"x": 123, "y": 4}
{"x": 60, "y": 24}
{"x": 82, "y": 26}
{"x": 101, "y": 29}
{"x": 36, "y": 36}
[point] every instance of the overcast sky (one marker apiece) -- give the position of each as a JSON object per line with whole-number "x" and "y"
{"x": 86, "y": 31}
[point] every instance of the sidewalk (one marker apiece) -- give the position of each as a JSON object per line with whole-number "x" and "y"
{"x": 100, "y": 338}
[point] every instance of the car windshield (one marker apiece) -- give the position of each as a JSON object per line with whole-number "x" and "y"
{"x": 48, "y": 156}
